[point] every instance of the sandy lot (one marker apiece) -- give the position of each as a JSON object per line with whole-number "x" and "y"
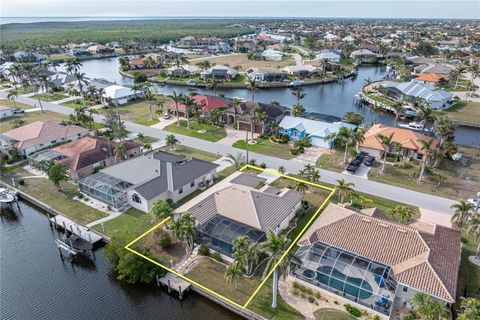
{"x": 240, "y": 59}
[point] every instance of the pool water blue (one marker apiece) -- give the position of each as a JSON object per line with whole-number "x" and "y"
{"x": 353, "y": 286}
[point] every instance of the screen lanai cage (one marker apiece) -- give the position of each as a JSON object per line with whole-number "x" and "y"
{"x": 105, "y": 188}
{"x": 220, "y": 232}
{"x": 356, "y": 278}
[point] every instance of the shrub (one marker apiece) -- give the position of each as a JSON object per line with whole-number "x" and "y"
{"x": 80, "y": 196}
{"x": 109, "y": 208}
{"x": 311, "y": 299}
{"x": 263, "y": 165}
{"x": 21, "y": 182}
{"x": 169, "y": 201}
{"x": 203, "y": 250}
{"x": 293, "y": 152}
{"x": 295, "y": 292}
{"x": 217, "y": 256}
{"x": 317, "y": 295}
{"x": 165, "y": 240}
{"x": 354, "y": 311}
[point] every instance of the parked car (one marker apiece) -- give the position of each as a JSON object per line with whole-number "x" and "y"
{"x": 356, "y": 163}
{"x": 191, "y": 83}
{"x": 369, "y": 161}
{"x": 166, "y": 116}
{"x": 352, "y": 168}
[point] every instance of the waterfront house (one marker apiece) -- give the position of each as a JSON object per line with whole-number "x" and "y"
{"x": 298, "y": 128}
{"x": 272, "y": 55}
{"x": 61, "y": 79}
{"x": 415, "y": 91}
{"x": 87, "y": 155}
{"x": 186, "y": 70}
{"x": 241, "y": 116}
{"x": 443, "y": 70}
{"x": 139, "y": 181}
{"x": 40, "y": 135}
{"x": 100, "y": 49}
{"x": 363, "y": 56}
{"x": 407, "y": 140}
{"x": 220, "y": 72}
{"x": 328, "y": 56}
{"x": 243, "y": 208}
{"x": 363, "y": 259}
{"x": 264, "y": 74}
{"x": 28, "y": 57}
{"x": 430, "y": 78}
{"x": 138, "y": 63}
{"x": 419, "y": 60}
{"x": 302, "y": 70}
{"x": 370, "y": 47}
{"x": 118, "y": 95}
{"x": 204, "y": 103}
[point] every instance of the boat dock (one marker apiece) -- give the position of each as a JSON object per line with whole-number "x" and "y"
{"x": 174, "y": 283}
{"x": 76, "y": 229}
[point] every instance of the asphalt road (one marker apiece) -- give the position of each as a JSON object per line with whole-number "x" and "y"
{"x": 421, "y": 200}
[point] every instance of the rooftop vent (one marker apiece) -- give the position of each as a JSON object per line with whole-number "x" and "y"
{"x": 402, "y": 230}
{"x": 384, "y": 225}
{"x": 366, "y": 220}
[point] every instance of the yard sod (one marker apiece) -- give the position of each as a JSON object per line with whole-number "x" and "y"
{"x": 266, "y": 147}
{"x": 381, "y": 99}
{"x": 136, "y": 111}
{"x": 212, "y": 133}
{"x": 185, "y": 151}
{"x": 44, "y": 190}
{"x": 241, "y": 60}
{"x": 461, "y": 180}
{"x": 332, "y": 161}
{"x": 126, "y": 226}
{"x": 469, "y": 274}
{"x": 7, "y": 102}
{"x": 78, "y": 102}
{"x": 175, "y": 252}
{"x": 6, "y": 125}
{"x": 468, "y": 111}
{"x": 52, "y": 97}
{"x": 146, "y": 139}
{"x": 331, "y": 314}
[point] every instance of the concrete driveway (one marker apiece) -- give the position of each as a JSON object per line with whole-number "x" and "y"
{"x": 362, "y": 172}
{"x": 164, "y": 123}
{"x": 234, "y": 135}
{"x": 311, "y": 155}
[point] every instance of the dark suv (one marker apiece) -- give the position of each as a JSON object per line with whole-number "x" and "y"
{"x": 355, "y": 164}
{"x": 369, "y": 161}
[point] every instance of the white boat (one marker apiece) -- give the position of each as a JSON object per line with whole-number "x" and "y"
{"x": 389, "y": 68}
{"x": 296, "y": 83}
{"x": 416, "y": 126}
{"x": 5, "y": 196}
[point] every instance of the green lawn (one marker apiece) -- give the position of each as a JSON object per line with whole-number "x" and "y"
{"x": 128, "y": 226}
{"x": 7, "y": 102}
{"x": 332, "y": 162}
{"x": 265, "y": 146}
{"x": 52, "y": 97}
{"x": 146, "y": 139}
{"x": 212, "y": 133}
{"x": 44, "y": 190}
{"x": 331, "y": 314}
{"x": 469, "y": 274}
{"x": 381, "y": 99}
{"x": 185, "y": 151}
{"x": 78, "y": 102}
{"x": 6, "y": 125}
{"x": 468, "y": 111}
{"x": 137, "y": 111}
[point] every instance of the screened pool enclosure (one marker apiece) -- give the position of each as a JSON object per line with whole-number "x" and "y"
{"x": 358, "y": 279}
{"x": 105, "y": 188}
{"x": 220, "y": 232}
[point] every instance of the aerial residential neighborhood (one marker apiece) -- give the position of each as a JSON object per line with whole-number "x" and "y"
{"x": 310, "y": 160}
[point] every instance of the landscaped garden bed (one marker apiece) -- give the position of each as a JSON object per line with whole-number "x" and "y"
{"x": 205, "y": 131}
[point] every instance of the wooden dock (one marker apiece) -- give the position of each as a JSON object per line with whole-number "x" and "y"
{"x": 174, "y": 283}
{"x": 75, "y": 228}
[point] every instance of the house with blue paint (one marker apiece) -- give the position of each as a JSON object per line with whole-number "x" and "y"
{"x": 298, "y": 128}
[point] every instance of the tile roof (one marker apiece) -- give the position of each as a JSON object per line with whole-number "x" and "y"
{"x": 42, "y": 132}
{"x": 419, "y": 90}
{"x": 431, "y": 77}
{"x": 247, "y": 180}
{"x": 207, "y": 103}
{"x": 406, "y": 138}
{"x": 425, "y": 260}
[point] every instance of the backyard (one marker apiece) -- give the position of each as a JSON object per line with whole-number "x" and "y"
{"x": 171, "y": 254}
{"x": 331, "y": 314}
{"x": 468, "y": 111}
{"x": 265, "y": 146}
{"x": 203, "y": 131}
{"x": 128, "y": 225}
{"x": 241, "y": 59}
{"x": 469, "y": 274}
{"x": 137, "y": 111}
{"x": 29, "y": 117}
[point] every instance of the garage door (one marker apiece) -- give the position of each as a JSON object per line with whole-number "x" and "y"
{"x": 319, "y": 142}
{"x": 122, "y": 101}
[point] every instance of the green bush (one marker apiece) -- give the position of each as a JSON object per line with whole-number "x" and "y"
{"x": 203, "y": 250}
{"x": 217, "y": 256}
{"x": 165, "y": 240}
{"x": 354, "y": 311}
{"x": 21, "y": 182}
{"x": 311, "y": 299}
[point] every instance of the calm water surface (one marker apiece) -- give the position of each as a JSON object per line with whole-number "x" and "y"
{"x": 36, "y": 284}
{"x": 333, "y": 98}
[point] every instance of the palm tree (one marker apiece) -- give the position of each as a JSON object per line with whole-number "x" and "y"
{"x": 12, "y": 95}
{"x": 425, "y": 114}
{"x": 376, "y": 108}
{"x": 275, "y": 246}
{"x": 215, "y": 115}
{"x": 462, "y": 211}
{"x": 237, "y": 160}
{"x": 345, "y": 190}
{"x": 232, "y": 273}
{"x": 426, "y": 148}
{"x": 349, "y": 137}
{"x": 252, "y": 85}
{"x": 364, "y": 201}
{"x": 401, "y": 214}
{"x": 429, "y": 308}
{"x": 189, "y": 104}
{"x": 171, "y": 141}
{"x": 150, "y": 98}
{"x": 301, "y": 187}
{"x": 398, "y": 109}
{"x": 458, "y": 72}
{"x": 120, "y": 151}
{"x": 177, "y": 98}
{"x": 444, "y": 128}
{"x": 184, "y": 229}
{"x": 298, "y": 93}
{"x": 81, "y": 81}
{"x": 212, "y": 84}
{"x": 386, "y": 142}
{"x": 474, "y": 226}
{"x": 160, "y": 210}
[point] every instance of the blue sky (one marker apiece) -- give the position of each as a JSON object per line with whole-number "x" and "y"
{"x": 263, "y": 8}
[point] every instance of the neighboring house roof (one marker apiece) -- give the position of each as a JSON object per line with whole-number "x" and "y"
{"x": 420, "y": 60}
{"x": 272, "y": 53}
{"x": 117, "y": 92}
{"x": 62, "y": 78}
{"x": 255, "y": 70}
{"x": 431, "y": 77}
{"x": 419, "y": 90}
{"x": 220, "y": 69}
{"x": 89, "y": 150}
{"x": 150, "y": 173}
{"x": 261, "y": 210}
{"x": 248, "y": 180}
{"x": 207, "y": 103}
{"x": 408, "y": 139}
{"x": 363, "y": 52}
{"x": 434, "y": 68}
{"x": 186, "y": 67}
{"x": 137, "y": 62}
{"x": 328, "y": 56}
{"x": 301, "y": 67}
{"x": 427, "y": 261}
{"x": 313, "y": 128}
{"x": 42, "y": 132}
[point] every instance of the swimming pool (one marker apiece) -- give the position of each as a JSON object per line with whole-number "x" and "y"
{"x": 353, "y": 286}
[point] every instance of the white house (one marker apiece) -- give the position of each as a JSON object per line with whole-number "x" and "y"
{"x": 119, "y": 94}
{"x": 273, "y": 55}
{"x": 410, "y": 91}
{"x": 328, "y": 56}
{"x": 264, "y": 74}
{"x": 298, "y": 128}
{"x": 363, "y": 55}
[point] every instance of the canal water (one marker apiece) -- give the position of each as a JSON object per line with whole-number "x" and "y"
{"x": 332, "y": 99}
{"x": 36, "y": 284}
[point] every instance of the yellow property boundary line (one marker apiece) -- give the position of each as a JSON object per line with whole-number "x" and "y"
{"x": 332, "y": 190}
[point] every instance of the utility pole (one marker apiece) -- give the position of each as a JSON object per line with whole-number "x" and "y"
{"x": 246, "y": 143}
